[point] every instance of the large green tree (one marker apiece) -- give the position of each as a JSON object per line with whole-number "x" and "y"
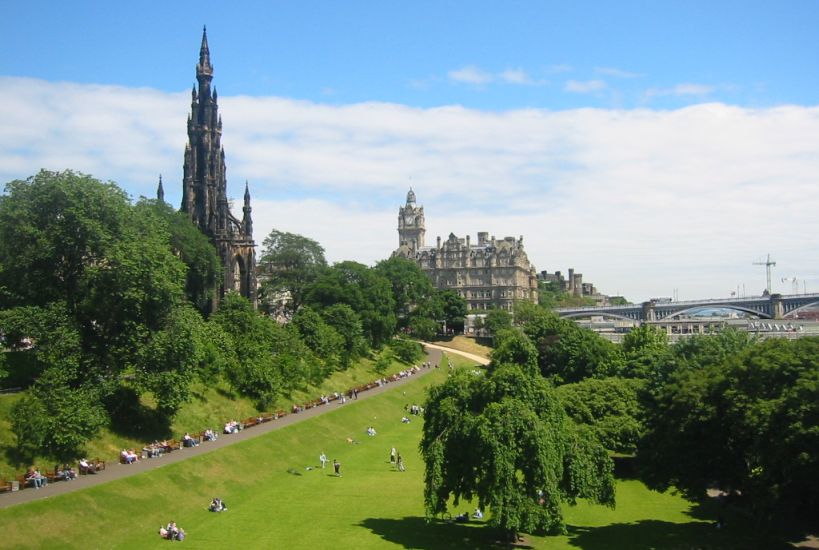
{"x": 504, "y": 439}
{"x": 739, "y": 415}
{"x": 288, "y": 265}
{"x": 365, "y": 290}
{"x": 189, "y": 244}
{"x": 610, "y": 407}
{"x": 412, "y": 291}
{"x": 566, "y": 352}
{"x": 92, "y": 283}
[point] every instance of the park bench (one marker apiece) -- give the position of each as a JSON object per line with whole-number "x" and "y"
{"x": 250, "y": 422}
{"x": 267, "y": 417}
{"x": 97, "y": 465}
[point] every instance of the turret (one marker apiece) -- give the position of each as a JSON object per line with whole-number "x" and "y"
{"x": 160, "y": 192}
{"x": 247, "y": 221}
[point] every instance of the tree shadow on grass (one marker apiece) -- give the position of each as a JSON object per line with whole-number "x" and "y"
{"x": 654, "y": 534}
{"x": 130, "y": 418}
{"x": 417, "y": 532}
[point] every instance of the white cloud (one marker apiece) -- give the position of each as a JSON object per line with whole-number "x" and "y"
{"x": 615, "y": 72}
{"x": 561, "y": 68}
{"x": 698, "y": 90}
{"x": 584, "y": 86}
{"x": 470, "y": 75}
{"x": 642, "y": 202}
{"x": 516, "y": 76}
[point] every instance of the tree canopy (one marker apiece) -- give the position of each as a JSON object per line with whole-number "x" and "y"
{"x": 504, "y": 439}
{"x": 741, "y": 416}
{"x": 289, "y": 264}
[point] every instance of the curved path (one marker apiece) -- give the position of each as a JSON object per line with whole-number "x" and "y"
{"x": 118, "y": 471}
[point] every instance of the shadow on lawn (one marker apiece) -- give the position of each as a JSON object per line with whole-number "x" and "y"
{"x": 416, "y": 532}
{"x": 653, "y": 534}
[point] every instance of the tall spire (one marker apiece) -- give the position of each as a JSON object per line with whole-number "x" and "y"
{"x": 204, "y": 52}
{"x": 160, "y": 192}
{"x": 247, "y": 222}
{"x": 204, "y": 70}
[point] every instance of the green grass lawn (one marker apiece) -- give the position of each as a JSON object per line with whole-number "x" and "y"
{"x": 275, "y": 501}
{"x": 211, "y": 406}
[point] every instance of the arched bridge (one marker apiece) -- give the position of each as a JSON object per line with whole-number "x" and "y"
{"x": 773, "y": 306}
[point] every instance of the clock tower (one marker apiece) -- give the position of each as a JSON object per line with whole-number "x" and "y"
{"x": 411, "y": 224}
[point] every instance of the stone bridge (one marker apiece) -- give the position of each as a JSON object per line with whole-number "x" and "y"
{"x": 773, "y": 306}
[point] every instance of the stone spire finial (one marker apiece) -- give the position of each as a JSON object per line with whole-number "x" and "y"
{"x": 204, "y": 67}
{"x": 160, "y": 192}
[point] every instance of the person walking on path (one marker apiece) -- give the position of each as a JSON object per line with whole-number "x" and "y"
{"x": 337, "y": 467}
{"x": 323, "y": 460}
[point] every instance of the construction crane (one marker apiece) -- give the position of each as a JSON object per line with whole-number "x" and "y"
{"x": 768, "y": 264}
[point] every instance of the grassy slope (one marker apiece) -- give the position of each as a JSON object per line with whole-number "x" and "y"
{"x": 210, "y": 407}
{"x": 469, "y": 345}
{"x": 370, "y": 506}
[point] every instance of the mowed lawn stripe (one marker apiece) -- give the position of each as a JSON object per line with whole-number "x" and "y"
{"x": 267, "y": 503}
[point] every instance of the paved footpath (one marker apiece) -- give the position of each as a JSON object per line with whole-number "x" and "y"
{"x": 117, "y": 471}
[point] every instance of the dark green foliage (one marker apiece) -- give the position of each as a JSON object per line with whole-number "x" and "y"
{"x": 289, "y": 264}
{"x": 453, "y": 309}
{"x": 366, "y": 291}
{"x": 252, "y": 336}
{"x": 383, "y": 362}
{"x": 740, "y": 415}
{"x": 609, "y": 407}
{"x": 408, "y": 351}
{"x": 646, "y": 352}
{"x": 347, "y": 324}
{"x": 497, "y": 320}
{"x": 504, "y": 439}
{"x": 412, "y": 291}
{"x": 269, "y": 359}
{"x": 513, "y": 347}
{"x": 324, "y": 341}
{"x": 174, "y": 358}
{"x": 423, "y": 328}
{"x": 57, "y": 419}
{"x": 53, "y": 227}
{"x": 566, "y": 352}
{"x": 550, "y": 296}
{"x": 204, "y": 268}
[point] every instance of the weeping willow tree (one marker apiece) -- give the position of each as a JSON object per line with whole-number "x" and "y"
{"x": 504, "y": 438}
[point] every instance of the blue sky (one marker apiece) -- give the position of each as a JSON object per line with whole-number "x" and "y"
{"x": 486, "y": 55}
{"x": 657, "y": 147}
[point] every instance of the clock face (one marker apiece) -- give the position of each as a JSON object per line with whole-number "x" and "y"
{"x": 408, "y": 220}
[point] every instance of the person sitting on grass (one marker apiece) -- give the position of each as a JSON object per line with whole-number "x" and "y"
{"x": 172, "y": 532}
{"x": 217, "y": 505}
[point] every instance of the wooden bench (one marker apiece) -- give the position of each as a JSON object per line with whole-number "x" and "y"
{"x": 267, "y": 417}
{"x": 249, "y": 422}
{"x": 96, "y": 465}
